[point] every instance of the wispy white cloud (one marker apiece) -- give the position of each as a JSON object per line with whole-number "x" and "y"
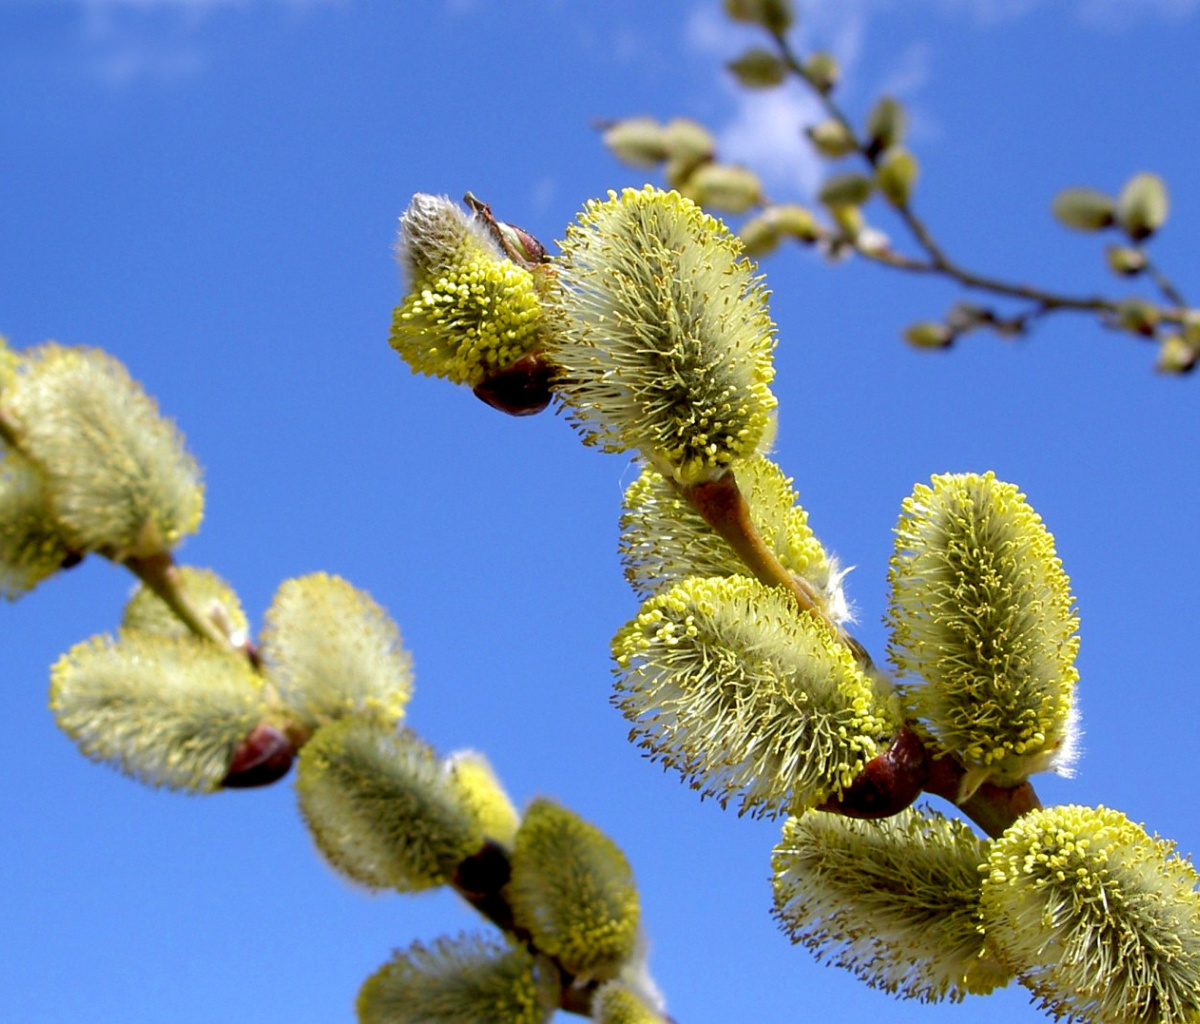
{"x": 765, "y": 127}
{"x": 121, "y": 41}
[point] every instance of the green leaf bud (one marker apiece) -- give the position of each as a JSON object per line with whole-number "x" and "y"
{"x": 846, "y": 189}
{"x": 1083, "y": 209}
{"x": 1138, "y": 317}
{"x": 759, "y": 235}
{"x": 832, "y": 138}
{"x": 382, "y": 809}
{"x": 795, "y": 221}
{"x": 896, "y": 174}
{"x": 1100, "y": 920}
{"x": 928, "y": 334}
{"x": 885, "y": 125}
{"x": 117, "y": 476}
{"x": 168, "y": 711}
{"x": 849, "y": 219}
{"x": 1176, "y": 355}
{"x": 480, "y": 790}
{"x": 614, "y": 1003}
{"x": 664, "y": 539}
{"x": 667, "y": 343}
{"x": 31, "y": 547}
{"x": 1191, "y": 327}
{"x": 331, "y": 651}
{"x": 981, "y": 609}
{"x": 679, "y": 170}
{"x": 774, "y": 15}
{"x": 1142, "y": 206}
{"x": 723, "y": 187}
{"x": 573, "y": 890}
{"x": 895, "y": 901}
{"x": 637, "y": 141}
{"x": 467, "y": 980}
{"x": 822, "y": 71}
{"x": 758, "y": 69}
{"x": 688, "y": 141}
{"x": 1125, "y": 260}
{"x": 470, "y": 310}
{"x": 747, "y": 697}
{"x": 214, "y": 598}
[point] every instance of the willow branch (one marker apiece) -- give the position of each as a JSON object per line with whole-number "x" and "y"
{"x": 993, "y": 808}
{"x": 937, "y": 260}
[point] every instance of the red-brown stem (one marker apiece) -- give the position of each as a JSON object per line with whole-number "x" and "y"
{"x": 724, "y": 508}
{"x": 993, "y": 808}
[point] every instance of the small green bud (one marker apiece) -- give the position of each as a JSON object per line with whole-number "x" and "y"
{"x": 885, "y": 125}
{"x": 726, "y": 680}
{"x": 796, "y": 222}
{"x": 1083, "y": 209}
{"x": 1125, "y": 260}
{"x": 573, "y": 889}
{"x": 1175, "y": 355}
{"x": 849, "y": 218}
{"x": 759, "y": 235}
{"x": 166, "y": 710}
{"x": 1142, "y": 206}
{"x": 638, "y": 141}
{"x": 1138, "y": 317}
{"x": 724, "y": 187}
{"x": 679, "y": 171}
{"x": 822, "y": 70}
{"x": 686, "y": 140}
{"x": 895, "y": 901}
{"x": 382, "y": 809}
{"x": 929, "y": 334}
{"x": 1100, "y": 920}
{"x": 773, "y": 15}
{"x": 1191, "y": 327}
{"x": 846, "y": 189}
{"x": 468, "y": 980}
{"x": 896, "y": 174}
{"x": 758, "y": 69}
{"x": 831, "y": 138}
{"x": 667, "y": 341}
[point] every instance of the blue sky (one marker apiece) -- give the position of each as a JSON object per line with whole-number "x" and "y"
{"x": 209, "y": 190}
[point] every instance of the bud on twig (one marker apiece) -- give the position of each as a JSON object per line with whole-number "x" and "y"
{"x": 885, "y": 126}
{"x": 758, "y": 69}
{"x": 1083, "y": 209}
{"x": 896, "y": 174}
{"x": 1142, "y": 206}
{"x": 638, "y": 141}
{"x": 831, "y": 138}
{"x": 822, "y": 71}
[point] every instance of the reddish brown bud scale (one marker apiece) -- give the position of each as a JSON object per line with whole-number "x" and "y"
{"x": 263, "y": 757}
{"x": 889, "y": 783}
{"x": 521, "y": 389}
